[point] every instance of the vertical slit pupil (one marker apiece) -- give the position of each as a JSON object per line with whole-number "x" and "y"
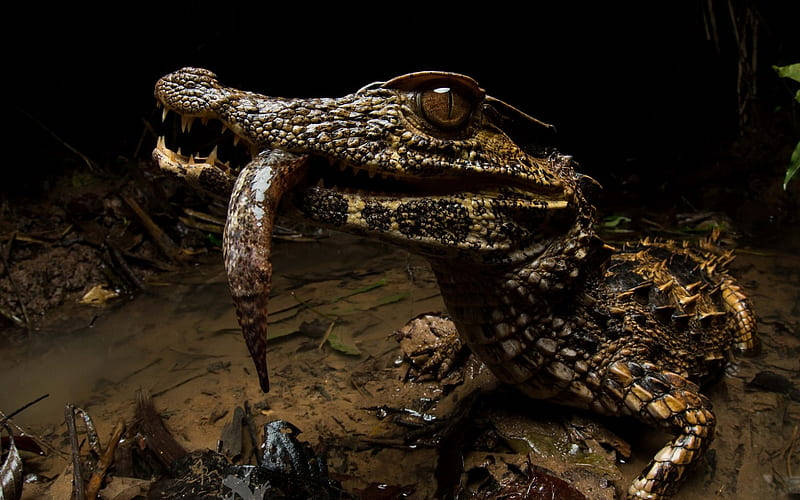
{"x": 446, "y": 90}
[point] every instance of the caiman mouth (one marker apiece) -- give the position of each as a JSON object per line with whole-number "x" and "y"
{"x": 187, "y": 145}
{"x": 210, "y": 153}
{"x": 436, "y": 200}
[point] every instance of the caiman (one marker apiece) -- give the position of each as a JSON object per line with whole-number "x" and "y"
{"x": 427, "y": 161}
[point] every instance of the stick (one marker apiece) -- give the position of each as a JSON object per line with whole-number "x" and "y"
{"x": 327, "y": 334}
{"x": 123, "y": 265}
{"x": 147, "y": 128}
{"x": 78, "y": 492}
{"x": 85, "y": 158}
{"x": 204, "y": 216}
{"x": 248, "y": 416}
{"x": 186, "y": 381}
{"x": 37, "y": 438}
{"x": 203, "y": 226}
{"x": 159, "y": 236}
{"x": 21, "y": 409}
{"x": 105, "y": 461}
{"x": 6, "y": 254}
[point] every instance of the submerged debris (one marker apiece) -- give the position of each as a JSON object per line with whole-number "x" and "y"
{"x": 289, "y": 469}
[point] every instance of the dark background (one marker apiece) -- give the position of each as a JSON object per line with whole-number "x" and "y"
{"x": 639, "y": 94}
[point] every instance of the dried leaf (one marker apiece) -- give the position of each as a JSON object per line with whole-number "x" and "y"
{"x": 11, "y": 472}
{"x": 98, "y": 296}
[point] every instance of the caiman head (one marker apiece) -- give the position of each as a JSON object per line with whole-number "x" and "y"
{"x": 421, "y": 161}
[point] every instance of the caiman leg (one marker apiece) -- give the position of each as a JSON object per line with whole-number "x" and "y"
{"x": 247, "y": 244}
{"x": 665, "y": 399}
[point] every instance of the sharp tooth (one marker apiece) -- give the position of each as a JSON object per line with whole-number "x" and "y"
{"x": 224, "y": 129}
{"x": 164, "y": 115}
{"x": 204, "y": 120}
{"x": 191, "y": 159}
{"x": 212, "y": 156}
{"x": 235, "y": 140}
{"x": 158, "y": 104}
{"x": 183, "y": 123}
{"x": 160, "y": 142}
{"x": 189, "y": 124}
{"x": 179, "y": 152}
{"x": 227, "y": 164}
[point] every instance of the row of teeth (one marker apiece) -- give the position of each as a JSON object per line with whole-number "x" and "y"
{"x": 187, "y": 121}
{"x": 211, "y": 159}
{"x": 186, "y": 126}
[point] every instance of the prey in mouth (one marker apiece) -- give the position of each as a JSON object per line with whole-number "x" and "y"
{"x": 427, "y": 161}
{"x": 420, "y": 161}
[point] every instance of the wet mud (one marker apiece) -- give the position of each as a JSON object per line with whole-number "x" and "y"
{"x": 353, "y": 393}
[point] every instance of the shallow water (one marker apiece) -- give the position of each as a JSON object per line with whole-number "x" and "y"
{"x": 180, "y": 341}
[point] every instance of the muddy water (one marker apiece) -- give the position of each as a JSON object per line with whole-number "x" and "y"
{"x": 180, "y": 341}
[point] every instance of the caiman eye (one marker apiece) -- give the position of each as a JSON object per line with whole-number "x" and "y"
{"x": 444, "y": 107}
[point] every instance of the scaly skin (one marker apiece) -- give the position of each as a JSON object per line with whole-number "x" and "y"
{"x": 531, "y": 290}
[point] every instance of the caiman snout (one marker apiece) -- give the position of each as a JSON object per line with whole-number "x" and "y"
{"x": 190, "y": 91}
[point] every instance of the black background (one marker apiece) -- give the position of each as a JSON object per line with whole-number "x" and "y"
{"x": 630, "y": 87}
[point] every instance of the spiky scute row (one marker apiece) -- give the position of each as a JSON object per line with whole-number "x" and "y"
{"x": 620, "y": 335}
{"x": 545, "y": 304}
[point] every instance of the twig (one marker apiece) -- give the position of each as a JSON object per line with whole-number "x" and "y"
{"x": 91, "y": 432}
{"x": 117, "y": 258}
{"x": 78, "y": 492}
{"x": 138, "y": 370}
{"x": 163, "y": 391}
{"x": 159, "y": 236}
{"x": 147, "y": 128}
{"x": 21, "y": 409}
{"x": 196, "y": 355}
{"x": 105, "y": 461}
{"x": 6, "y": 254}
{"x": 37, "y": 438}
{"x": 311, "y": 308}
{"x": 202, "y": 226}
{"x": 327, "y": 334}
{"x": 85, "y": 158}
{"x": 248, "y": 421}
{"x": 204, "y": 216}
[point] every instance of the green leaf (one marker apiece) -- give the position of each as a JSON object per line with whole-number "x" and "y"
{"x": 363, "y": 289}
{"x": 791, "y": 71}
{"x": 335, "y": 342}
{"x": 613, "y": 221}
{"x": 391, "y": 299}
{"x": 794, "y": 166}
{"x": 214, "y": 240}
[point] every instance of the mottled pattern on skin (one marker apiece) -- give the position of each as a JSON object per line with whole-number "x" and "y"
{"x": 530, "y": 288}
{"x": 247, "y": 244}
